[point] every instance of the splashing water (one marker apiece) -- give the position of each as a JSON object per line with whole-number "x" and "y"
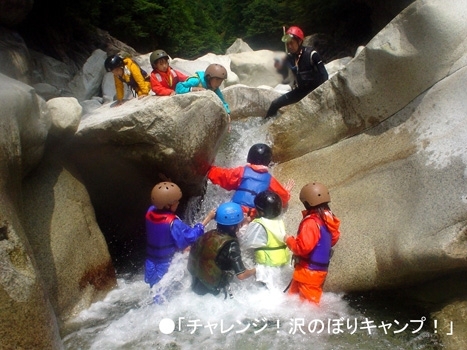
{"x": 255, "y": 318}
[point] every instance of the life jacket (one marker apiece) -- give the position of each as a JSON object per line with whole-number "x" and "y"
{"x": 251, "y": 184}
{"x": 160, "y": 245}
{"x": 309, "y": 74}
{"x": 202, "y": 259}
{"x": 275, "y": 253}
{"x": 170, "y": 83}
{"x": 320, "y": 256}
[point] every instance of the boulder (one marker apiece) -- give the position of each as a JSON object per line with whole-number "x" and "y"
{"x": 66, "y": 115}
{"x": 86, "y": 83}
{"x": 68, "y": 245}
{"x": 201, "y": 63}
{"x": 25, "y": 308}
{"x": 48, "y": 70}
{"x": 14, "y": 55}
{"x": 255, "y": 68}
{"x": 400, "y": 192}
{"x": 238, "y": 46}
{"x": 421, "y": 46}
{"x": 122, "y": 152}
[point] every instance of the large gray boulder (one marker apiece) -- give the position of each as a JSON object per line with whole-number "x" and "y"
{"x": 53, "y": 257}
{"x": 387, "y": 135}
{"x": 421, "y": 46}
{"x": 68, "y": 245}
{"x": 87, "y": 82}
{"x": 24, "y": 306}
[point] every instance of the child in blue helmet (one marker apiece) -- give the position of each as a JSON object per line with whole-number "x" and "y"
{"x": 217, "y": 254}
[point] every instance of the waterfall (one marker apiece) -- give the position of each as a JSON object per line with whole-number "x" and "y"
{"x": 255, "y": 318}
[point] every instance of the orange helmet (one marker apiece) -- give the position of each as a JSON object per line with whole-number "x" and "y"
{"x": 165, "y": 194}
{"x": 314, "y": 193}
{"x": 292, "y": 32}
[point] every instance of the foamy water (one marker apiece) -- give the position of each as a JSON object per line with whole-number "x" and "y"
{"x": 255, "y": 318}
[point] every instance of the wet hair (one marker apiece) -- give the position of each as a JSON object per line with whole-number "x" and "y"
{"x": 230, "y": 230}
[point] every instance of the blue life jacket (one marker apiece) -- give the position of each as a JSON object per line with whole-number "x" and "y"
{"x": 160, "y": 245}
{"x": 321, "y": 255}
{"x": 251, "y": 184}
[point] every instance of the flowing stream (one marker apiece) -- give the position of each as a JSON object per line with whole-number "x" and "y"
{"x": 255, "y": 318}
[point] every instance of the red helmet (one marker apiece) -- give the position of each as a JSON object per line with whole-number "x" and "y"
{"x": 293, "y": 31}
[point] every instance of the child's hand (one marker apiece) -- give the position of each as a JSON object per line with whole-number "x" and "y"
{"x": 196, "y": 89}
{"x": 211, "y": 215}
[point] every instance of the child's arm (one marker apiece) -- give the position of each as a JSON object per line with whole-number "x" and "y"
{"x": 187, "y": 85}
{"x": 142, "y": 83}
{"x": 221, "y": 96}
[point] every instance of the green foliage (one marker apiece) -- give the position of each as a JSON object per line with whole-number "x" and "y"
{"x": 191, "y": 28}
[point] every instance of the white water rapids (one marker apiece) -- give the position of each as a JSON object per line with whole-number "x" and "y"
{"x": 255, "y": 318}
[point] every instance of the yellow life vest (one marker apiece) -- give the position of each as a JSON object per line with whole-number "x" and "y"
{"x": 275, "y": 253}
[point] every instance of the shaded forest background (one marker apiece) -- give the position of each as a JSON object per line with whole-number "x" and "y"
{"x": 192, "y": 28}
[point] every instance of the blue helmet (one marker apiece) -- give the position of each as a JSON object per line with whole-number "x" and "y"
{"x": 229, "y": 214}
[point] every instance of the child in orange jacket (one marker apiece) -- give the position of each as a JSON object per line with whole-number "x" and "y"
{"x": 163, "y": 77}
{"x": 251, "y": 179}
{"x": 317, "y": 233}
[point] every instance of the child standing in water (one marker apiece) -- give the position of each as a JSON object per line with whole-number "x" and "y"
{"x": 166, "y": 233}
{"x": 265, "y": 236}
{"x": 317, "y": 233}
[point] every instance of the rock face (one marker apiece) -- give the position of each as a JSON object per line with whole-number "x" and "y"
{"x": 54, "y": 260}
{"x": 386, "y": 134}
{"x": 396, "y": 66}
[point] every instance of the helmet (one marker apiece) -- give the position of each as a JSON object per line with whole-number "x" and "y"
{"x": 113, "y": 62}
{"x": 229, "y": 214}
{"x": 293, "y": 31}
{"x": 165, "y": 193}
{"x": 269, "y": 203}
{"x": 314, "y": 194}
{"x": 259, "y": 154}
{"x": 156, "y": 55}
{"x": 215, "y": 70}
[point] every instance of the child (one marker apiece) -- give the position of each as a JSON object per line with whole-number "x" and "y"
{"x": 249, "y": 180}
{"x": 125, "y": 70}
{"x": 317, "y": 233}
{"x": 215, "y": 255}
{"x": 265, "y": 235}
{"x": 163, "y": 77}
{"x": 210, "y": 79}
{"x": 166, "y": 233}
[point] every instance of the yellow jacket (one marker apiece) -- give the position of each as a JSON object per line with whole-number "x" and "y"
{"x": 275, "y": 253}
{"x": 138, "y": 83}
